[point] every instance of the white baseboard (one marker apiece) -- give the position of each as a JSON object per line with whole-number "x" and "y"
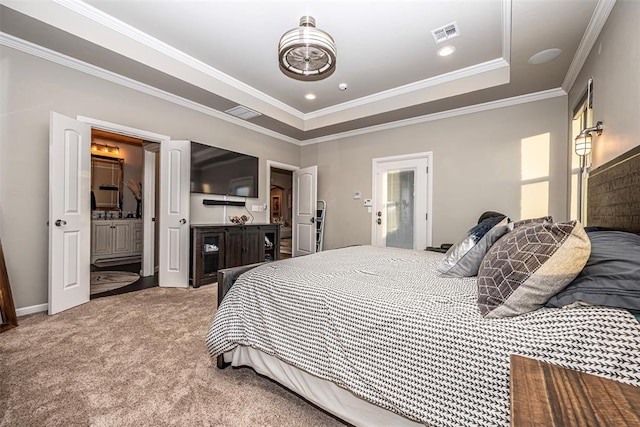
{"x": 32, "y": 309}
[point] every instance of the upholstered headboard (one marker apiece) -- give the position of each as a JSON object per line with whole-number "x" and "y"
{"x": 613, "y": 195}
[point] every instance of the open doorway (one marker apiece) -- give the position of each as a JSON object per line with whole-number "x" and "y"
{"x": 280, "y": 203}
{"x": 118, "y": 178}
{"x": 281, "y": 207}
{"x": 70, "y": 209}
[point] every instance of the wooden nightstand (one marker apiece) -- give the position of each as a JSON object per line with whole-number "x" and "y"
{"x": 548, "y": 395}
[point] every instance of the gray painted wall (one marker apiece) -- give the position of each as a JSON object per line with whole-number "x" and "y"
{"x": 614, "y": 64}
{"x": 477, "y": 167}
{"x": 477, "y": 158}
{"x": 31, "y": 88}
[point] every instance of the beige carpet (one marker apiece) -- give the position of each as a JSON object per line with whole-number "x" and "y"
{"x": 103, "y": 281}
{"x": 137, "y": 359}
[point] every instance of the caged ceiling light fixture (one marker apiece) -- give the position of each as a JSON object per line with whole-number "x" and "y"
{"x": 307, "y": 53}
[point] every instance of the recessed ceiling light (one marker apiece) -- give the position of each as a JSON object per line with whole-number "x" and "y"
{"x": 310, "y": 96}
{"x": 446, "y": 50}
{"x": 544, "y": 56}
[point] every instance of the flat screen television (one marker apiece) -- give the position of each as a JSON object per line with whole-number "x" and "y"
{"x": 223, "y": 172}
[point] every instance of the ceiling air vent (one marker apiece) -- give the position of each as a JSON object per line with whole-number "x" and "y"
{"x": 242, "y": 112}
{"x": 447, "y": 32}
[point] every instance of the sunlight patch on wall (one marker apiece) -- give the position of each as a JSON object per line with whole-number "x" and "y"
{"x": 535, "y": 157}
{"x": 573, "y": 206}
{"x": 535, "y": 200}
{"x": 534, "y": 166}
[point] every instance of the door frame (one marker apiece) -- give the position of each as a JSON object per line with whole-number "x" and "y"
{"x": 283, "y": 166}
{"x": 148, "y": 249}
{"x": 428, "y": 155}
{"x": 149, "y": 210}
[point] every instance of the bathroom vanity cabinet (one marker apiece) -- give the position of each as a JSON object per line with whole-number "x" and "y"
{"x": 115, "y": 239}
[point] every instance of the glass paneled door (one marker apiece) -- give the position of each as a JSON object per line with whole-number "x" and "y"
{"x": 400, "y": 216}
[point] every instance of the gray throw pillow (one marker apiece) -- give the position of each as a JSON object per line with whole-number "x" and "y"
{"x": 611, "y": 276}
{"x": 528, "y": 221}
{"x": 463, "y": 259}
{"x": 529, "y": 265}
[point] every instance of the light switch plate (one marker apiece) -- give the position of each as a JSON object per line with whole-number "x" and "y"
{"x": 367, "y": 202}
{"x": 357, "y": 195}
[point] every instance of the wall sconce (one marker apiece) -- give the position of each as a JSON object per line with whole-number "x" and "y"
{"x": 583, "y": 140}
{"x": 104, "y": 149}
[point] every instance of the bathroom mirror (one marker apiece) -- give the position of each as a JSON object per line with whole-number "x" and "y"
{"x": 106, "y": 182}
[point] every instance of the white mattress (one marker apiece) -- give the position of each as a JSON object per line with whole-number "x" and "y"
{"x": 323, "y": 393}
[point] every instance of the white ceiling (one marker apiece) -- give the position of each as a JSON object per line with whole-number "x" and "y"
{"x": 222, "y": 53}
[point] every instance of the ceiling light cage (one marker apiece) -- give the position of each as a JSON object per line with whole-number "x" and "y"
{"x": 307, "y": 53}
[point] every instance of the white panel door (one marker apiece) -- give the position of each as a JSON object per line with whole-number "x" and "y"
{"x": 175, "y": 161}
{"x": 69, "y": 212}
{"x": 401, "y": 204}
{"x": 305, "y": 196}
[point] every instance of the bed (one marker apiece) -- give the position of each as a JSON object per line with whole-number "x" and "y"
{"x": 377, "y": 336}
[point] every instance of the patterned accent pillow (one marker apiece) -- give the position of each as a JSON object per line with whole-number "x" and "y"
{"x": 529, "y": 265}
{"x": 463, "y": 259}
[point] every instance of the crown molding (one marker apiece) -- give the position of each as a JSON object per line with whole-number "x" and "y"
{"x": 126, "y": 30}
{"x": 492, "y": 105}
{"x": 58, "y": 58}
{"x": 597, "y": 22}
{"x": 452, "y": 76}
{"x": 66, "y": 61}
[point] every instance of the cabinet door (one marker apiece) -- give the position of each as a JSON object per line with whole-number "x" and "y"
{"x": 137, "y": 237}
{"x": 101, "y": 238}
{"x": 272, "y": 248}
{"x": 234, "y": 247}
{"x": 253, "y": 247}
{"x": 207, "y": 256}
{"x": 121, "y": 237}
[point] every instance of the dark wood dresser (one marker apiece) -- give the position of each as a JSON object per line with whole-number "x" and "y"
{"x": 548, "y": 395}
{"x": 217, "y": 246}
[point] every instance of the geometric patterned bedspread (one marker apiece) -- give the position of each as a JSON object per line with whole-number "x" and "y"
{"x": 381, "y": 323}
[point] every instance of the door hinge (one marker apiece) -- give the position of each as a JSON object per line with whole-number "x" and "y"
{"x": 427, "y": 169}
{"x": 426, "y": 216}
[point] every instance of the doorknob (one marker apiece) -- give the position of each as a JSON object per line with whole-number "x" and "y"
{"x": 60, "y": 222}
{"x": 183, "y": 221}
{"x": 313, "y": 220}
{"x": 379, "y": 213}
{"x": 379, "y": 221}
